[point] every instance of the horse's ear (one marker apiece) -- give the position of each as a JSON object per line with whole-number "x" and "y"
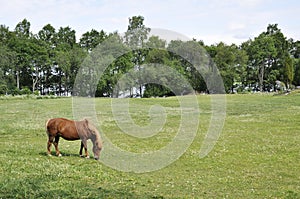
{"x": 86, "y": 122}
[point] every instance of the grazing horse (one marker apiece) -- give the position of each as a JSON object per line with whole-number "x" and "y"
{"x": 73, "y": 130}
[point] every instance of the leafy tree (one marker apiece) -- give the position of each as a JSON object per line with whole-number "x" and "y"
{"x": 7, "y": 62}
{"x": 91, "y": 39}
{"x": 137, "y": 32}
{"x": 48, "y": 38}
{"x": 66, "y": 38}
{"x": 22, "y": 29}
{"x": 51, "y": 59}
{"x": 295, "y": 53}
{"x": 295, "y": 48}
{"x": 38, "y": 61}
{"x": 20, "y": 43}
{"x": 65, "y": 43}
{"x": 135, "y": 37}
{"x": 5, "y": 35}
{"x": 231, "y": 61}
{"x": 188, "y": 59}
{"x": 297, "y": 73}
{"x": 48, "y": 34}
{"x": 154, "y": 42}
{"x": 104, "y": 62}
{"x": 262, "y": 54}
{"x": 282, "y": 63}
{"x": 31, "y": 56}
{"x": 156, "y": 57}
{"x": 289, "y": 70}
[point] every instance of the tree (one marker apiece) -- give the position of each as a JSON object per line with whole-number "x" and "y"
{"x": 231, "y": 61}
{"x": 22, "y": 29}
{"x": 106, "y": 62}
{"x": 50, "y": 59}
{"x": 262, "y": 54}
{"x": 295, "y": 48}
{"x": 154, "y": 62}
{"x": 135, "y": 37}
{"x": 137, "y": 32}
{"x": 295, "y": 53}
{"x": 297, "y": 73}
{"x": 5, "y": 34}
{"x": 38, "y": 61}
{"x": 65, "y": 42}
{"x": 19, "y": 43}
{"x": 91, "y": 39}
{"x": 7, "y": 63}
{"x": 283, "y": 64}
{"x": 191, "y": 60}
{"x": 289, "y": 71}
{"x": 154, "y": 42}
{"x": 48, "y": 38}
{"x": 66, "y": 38}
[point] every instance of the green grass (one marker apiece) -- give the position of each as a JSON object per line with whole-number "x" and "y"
{"x": 256, "y": 156}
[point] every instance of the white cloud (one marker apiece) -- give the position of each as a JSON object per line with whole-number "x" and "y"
{"x": 211, "y": 20}
{"x": 251, "y": 3}
{"x": 236, "y": 26}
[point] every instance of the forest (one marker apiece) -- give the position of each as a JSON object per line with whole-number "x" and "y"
{"x": 47, "y": 62}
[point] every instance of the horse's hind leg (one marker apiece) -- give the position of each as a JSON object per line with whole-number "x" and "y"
{"x": 56, "y": 145}
{"x": 50, "y": 141}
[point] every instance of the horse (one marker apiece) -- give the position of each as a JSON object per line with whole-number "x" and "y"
{"x": 73, "y": 130}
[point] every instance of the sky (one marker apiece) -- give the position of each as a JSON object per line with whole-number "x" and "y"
{"x": 212, "y": 21}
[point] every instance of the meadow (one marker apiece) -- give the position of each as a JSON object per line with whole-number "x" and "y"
{"x": 256, "y": 156}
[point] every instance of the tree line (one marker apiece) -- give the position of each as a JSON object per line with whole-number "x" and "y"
{"x": 47, "y": 62}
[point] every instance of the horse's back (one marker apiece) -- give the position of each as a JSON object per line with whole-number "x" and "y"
{"x": 62, "y": 127}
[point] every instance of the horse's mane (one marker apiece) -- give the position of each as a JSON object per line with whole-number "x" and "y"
{"x": 93, "y": 129}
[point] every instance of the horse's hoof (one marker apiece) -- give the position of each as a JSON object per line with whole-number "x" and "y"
{"x": 59, "y": 155}
{"x": 87, "y": 157}
{"x": 49, "y": 155}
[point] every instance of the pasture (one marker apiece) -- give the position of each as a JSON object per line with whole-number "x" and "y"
{"x": 256, "y": 156}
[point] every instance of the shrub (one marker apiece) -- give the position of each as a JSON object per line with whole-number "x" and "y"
{"x": 3, "y": 89}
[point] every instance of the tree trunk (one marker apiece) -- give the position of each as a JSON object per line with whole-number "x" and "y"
{"x": 35, "y": 80}
{"x": 130, "y": 92}
{"x": 261, "y": 72}
{"x": 141, "y": 90}
{"x": 59, "y": 83}
{"x": 18, "y": 79}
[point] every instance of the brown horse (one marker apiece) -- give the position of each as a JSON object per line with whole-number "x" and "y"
{"x": 73, "y": 130}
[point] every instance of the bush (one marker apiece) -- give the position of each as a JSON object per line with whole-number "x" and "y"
{"x": 26, "y": 91}
{"x": 3, "y": 89}
{"x": 15, "y": 91}
{"x": 36, "y": 92}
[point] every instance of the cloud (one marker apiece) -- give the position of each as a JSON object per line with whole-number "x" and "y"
{"x": 236, "y": 26}
{"x": 251, "y": 3}
{"x": 227, "y": 19}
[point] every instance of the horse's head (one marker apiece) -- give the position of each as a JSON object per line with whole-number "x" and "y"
{"x": 97, "y": 149}
{"x": 96, "y": 139}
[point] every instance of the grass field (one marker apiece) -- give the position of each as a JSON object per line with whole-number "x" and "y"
{"x": 256, "y": 156}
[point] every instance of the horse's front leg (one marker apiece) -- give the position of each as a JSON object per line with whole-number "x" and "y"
{"x": 84, "y": 145}
{"x": 80, "y": 151}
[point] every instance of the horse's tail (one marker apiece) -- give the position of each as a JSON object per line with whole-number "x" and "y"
{"x": 46, "y": 126}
